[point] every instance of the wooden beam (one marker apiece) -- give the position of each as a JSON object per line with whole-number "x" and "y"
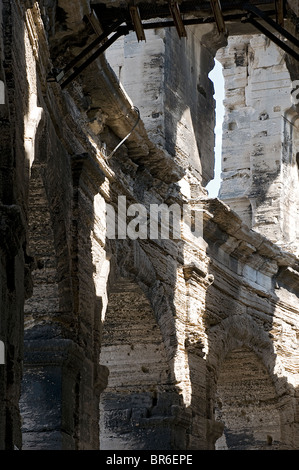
{"x": 176, "y": 15}
{"x": 136, "y": 19}
{"x": 279, "y": 6}
{"x": 217, "y": 12}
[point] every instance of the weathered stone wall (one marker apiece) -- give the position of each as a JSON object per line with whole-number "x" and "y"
{"x": 56, "y": 181}
{"x": 14, "y": 263}
{"x": 139, "y": 398}
{"x": 225, "y": 300}
{"x": 259, "y": 167}
{"x": 244, "y": 310}
{"x": 235, "y": 313}
{"x": 177, "y": 108}
{"x": 164, "y": 317}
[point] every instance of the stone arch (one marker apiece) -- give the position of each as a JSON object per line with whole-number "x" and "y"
{"x": 50, "y": 205}
{"x": 44, "y": 302}
{"x": 246, "y": 403}
{"x": 130, "y": 260}
{"x": 242, "y": 341}
{"x": 136, "y": 408}
{"x": 234, "y": 332}
{"x": 45, "y": 349}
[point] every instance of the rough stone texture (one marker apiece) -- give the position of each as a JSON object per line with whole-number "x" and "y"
{"x": 132, "y": 343}
{"x": 172, "y": 104}
{"x": 14, "y": 262}
{"x": 259, "y": 167}
{"x": 252, "y": 395}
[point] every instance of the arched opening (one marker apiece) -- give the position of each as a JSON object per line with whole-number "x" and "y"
{"x": 138, "y": 399}
{"x": 44, "y": 302}
{"x": 39, "y": 402}
{"x": 247, "y": 404}
{"x": 216, "y": 75}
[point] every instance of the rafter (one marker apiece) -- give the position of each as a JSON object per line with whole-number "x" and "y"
{"x": 217, "y": 12}
{"x": 176, "y": 15}
{"x": 137, "y": 23}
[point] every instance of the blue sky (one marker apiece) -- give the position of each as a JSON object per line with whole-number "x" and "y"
{"x": 217, "y": 77}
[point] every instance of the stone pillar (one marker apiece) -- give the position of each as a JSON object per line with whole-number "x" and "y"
{"x": 50, "y": 392}
{"x": 62, "y": 376}
{"x": 54, "y": 392}
{"x": 203, "y": 430}
{"x": 255, "y": 166}
{"x": 14, "y": 263}
{"x": 12, "y": 294}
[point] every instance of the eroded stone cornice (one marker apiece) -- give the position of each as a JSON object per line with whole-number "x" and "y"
{"x": 223, "y": 228}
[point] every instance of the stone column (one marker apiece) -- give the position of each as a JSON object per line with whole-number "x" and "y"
{"x": 257, "y": 171}
{"x": 14, "y": 263}
{"x": 62, "y": 376}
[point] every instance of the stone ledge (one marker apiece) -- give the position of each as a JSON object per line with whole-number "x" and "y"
{"x": 249, "y": 244}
